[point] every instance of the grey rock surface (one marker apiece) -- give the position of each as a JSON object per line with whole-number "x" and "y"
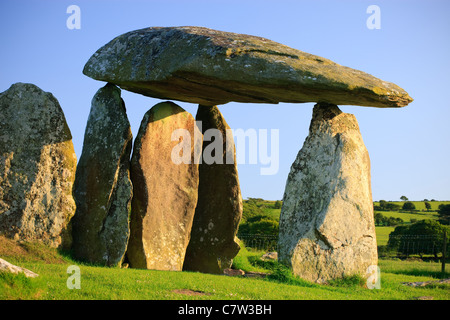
{"x": 212, "y": 67}
{"x": 219, "y": 208}
{"x": 37, "y": 167}
{"x": 326, "y": 225}
{"x": 103, "y": 189}
{"x": 5, "y": 266}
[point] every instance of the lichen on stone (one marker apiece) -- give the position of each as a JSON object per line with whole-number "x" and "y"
{"x": 326, "y": 222}
{"x": 37, "y": 167}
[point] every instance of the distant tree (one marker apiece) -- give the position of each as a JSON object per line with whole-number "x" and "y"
{"x": 390, "y": 206}
{"x": 265, "y": 226}
{"x": 251, "y": 209}
{"x": 423, "y": 237}
{"x": 394, "y": 221}
{"x": 444, "y": 214}
{"x": 259, "y": 225}
{"x": 381, "y": 220}
{"x": 277, "y": 204}
{"x": 383, "y": 204}
{"x": 408, "y": 206}
{"x": 404, "y": 198}
{"x": 427, "y": 205}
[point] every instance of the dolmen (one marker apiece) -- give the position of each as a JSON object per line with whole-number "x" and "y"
{"x": 165, "y": 209}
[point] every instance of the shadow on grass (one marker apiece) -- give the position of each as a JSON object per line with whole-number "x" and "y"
{"x": 422, "y": 273}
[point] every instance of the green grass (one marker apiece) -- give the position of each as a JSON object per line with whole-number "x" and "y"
{"x": 114, "y": 283}
{"x": 272, "y": 213}
{"x": 407, "y": 216}
{"x": 245, "y": 260}
{"x": 382, "y": 234}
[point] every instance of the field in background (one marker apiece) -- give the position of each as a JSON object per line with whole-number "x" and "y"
{"x": 420, "y": 205}
{"x": 383, "y": 235}
{"x": 255, "y": 206}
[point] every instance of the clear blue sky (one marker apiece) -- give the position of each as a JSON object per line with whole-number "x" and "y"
{"x": 408, "y": 147}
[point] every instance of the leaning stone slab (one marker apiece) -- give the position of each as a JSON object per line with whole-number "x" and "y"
{"x": 164, "y": 172}
{"x": 37, "y": 167}
{"x": 326, "y": 224}
{"x": 5, "y": 266}
{"x": 212, "y": 67}
{"x": 219, "y": 208}
{"x": 102, "y": 188}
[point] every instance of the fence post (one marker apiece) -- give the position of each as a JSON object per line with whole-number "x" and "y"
{"x": 444, "y": 251}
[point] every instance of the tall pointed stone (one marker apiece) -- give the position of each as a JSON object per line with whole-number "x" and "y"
{"x": 326, "y": 224}
{"x": 103, "y": 187}
{"x": 219, "y": 207}
{"x": 37, "y": 167}
{"x": 164, "y": 172}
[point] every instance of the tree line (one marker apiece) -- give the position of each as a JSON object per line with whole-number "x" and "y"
{"x": 257, "y": 221}
{"x": 383, "y": 205}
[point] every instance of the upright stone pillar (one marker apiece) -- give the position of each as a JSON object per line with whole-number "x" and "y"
{"x": 37, "y": 167}
{"x": 103, "y": 187}
{"x": 164, "y": 172}
{"x": 219, "y": 207}
{"x": 326, "y": 225}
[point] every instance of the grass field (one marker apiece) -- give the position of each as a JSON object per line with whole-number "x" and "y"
{"x": 382, "y": 234}
{"x": 407, "y": 216}
{"x": 134, "y": 284}
{"x": 420, "y": 205}
{"x": 114, "y": 283}
{"x": 267, "y": 208}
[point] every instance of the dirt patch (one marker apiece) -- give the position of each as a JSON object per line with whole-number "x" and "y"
{"x": 10, "y": 248}
{"x": 241, "y": 273}
{"x": 424, "y": 298}
{"x": 26, "y": 251}
{"x": 190, "y": 292}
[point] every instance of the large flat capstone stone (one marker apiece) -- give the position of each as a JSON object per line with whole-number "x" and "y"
{"x": 210, "y": 67}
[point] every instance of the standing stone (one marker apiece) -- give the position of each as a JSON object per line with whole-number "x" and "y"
{"x": 219, "y": 207}
{"x": 326, "y": 224}
{"x": 37, "y": 167}
{"x": 103, "y": 187}
{"x": 164, "y": 172}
